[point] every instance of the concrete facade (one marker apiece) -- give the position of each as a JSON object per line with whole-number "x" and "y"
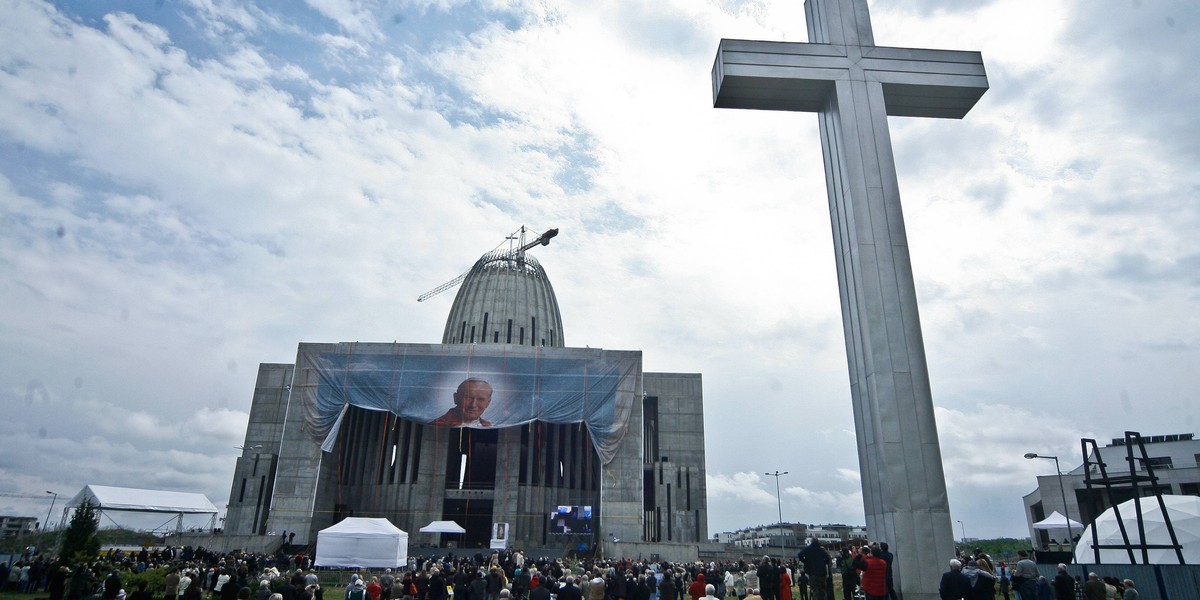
{"x": 254, "y": 477}
{"x": 381, "y": 465}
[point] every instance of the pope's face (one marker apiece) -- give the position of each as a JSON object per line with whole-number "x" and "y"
{"x": 473, "y": 400}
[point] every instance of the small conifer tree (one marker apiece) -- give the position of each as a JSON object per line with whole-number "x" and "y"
{"x": 79, "y": 542}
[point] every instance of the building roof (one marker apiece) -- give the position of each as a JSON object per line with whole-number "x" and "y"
{"x": 506, "y": 298}
{"x": 141, "y": 500}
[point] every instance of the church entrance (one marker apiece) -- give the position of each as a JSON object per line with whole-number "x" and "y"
{"x": 473, "y": 514}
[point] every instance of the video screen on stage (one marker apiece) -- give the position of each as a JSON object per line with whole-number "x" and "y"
{"x": 467, "y": 385}
{"x": 568, "y": 520}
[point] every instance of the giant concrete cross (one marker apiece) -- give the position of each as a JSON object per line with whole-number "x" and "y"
{"x": 854, "y": 86}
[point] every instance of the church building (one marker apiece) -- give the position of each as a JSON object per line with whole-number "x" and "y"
{"x": 541, "y": 445}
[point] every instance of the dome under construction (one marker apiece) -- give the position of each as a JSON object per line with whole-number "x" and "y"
{"x": 506, "y": 298}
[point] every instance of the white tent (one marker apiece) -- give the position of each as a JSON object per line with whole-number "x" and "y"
{"x": 1185, "y": 520}
{"x": 359, "y": 542}
{"x": 109, "y": 499}
{"x": 1057, "y": 521}
{"x": 139, "y": 500}
{"x": 443, "y": 527}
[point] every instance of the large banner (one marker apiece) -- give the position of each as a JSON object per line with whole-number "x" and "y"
{"x": 467, "y": 385}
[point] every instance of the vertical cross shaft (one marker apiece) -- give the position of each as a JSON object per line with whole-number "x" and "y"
{"x": 854, "y": 85}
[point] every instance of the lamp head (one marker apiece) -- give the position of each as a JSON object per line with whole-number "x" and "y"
{"x": 1031, "y": 455}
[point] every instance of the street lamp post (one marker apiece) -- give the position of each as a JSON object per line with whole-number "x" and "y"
{"x": 52, "y": 501}
{"x": 963, "y": 529}
{"x": 779, "y": 502}
{"x": 1062, "y": 490}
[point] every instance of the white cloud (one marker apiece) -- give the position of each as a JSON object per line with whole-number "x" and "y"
{"x": 183, "y": 198}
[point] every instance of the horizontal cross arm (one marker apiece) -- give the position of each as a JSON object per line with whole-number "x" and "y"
{"x": 926, "y": 83}
{"x": 776, "y": 75}
{"x": 796, "y": 76}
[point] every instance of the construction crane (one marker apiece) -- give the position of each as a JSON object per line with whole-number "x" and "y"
{"x": 542, "y": 240}
{"x": 19, "y": 495}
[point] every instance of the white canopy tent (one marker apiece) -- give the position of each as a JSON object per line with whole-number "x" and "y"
{"x": 1184, "y": 512}
{"x": 1057, "y": 521}
{"x": 443, "y": 527}
{"x": 362, "y": 542}
{"x": 119, "y": 499}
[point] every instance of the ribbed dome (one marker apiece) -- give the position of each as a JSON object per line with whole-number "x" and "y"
{"x": 505, "y": 299}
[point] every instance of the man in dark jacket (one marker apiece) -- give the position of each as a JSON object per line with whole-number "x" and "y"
{"x": 955, "y": 585}
{"x": 816, "y": 564}
{"x": 1064, "y": 584}
{"x": 542, "y": 591}
{"x": 569, "y": 591}
{"x": 768, "y": 579}
{"x": 112, "y": 585}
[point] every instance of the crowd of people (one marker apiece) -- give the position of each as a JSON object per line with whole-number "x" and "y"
{"x": 975, "y": 578}
{"x": 865, "y": 572}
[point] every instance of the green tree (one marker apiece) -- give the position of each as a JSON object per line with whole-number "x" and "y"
{"x": 79, "y": 542}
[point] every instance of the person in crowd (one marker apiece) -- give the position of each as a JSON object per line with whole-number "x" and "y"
{"x": 263, "y": 592}
{"x": 141, "y": 593}
{"x": 983, "y": 583}
{"x": 477, "y": 588}
{"x": 1112, "y": 588}
{"x": 57, "y": 584}
{"x": 232, "y": 588}
{"x": 357, "y": 590}
{"x": 569, "y": 591}
{"x": 1002, "y": 580}
{"x": 954, "y": 585}
{"x": 435, "y": 585}
{"x": 849, "y": 574}
{"x": 1063, "y": 584}
{"x": 696, "y": 589}
{"x": 1044, "y": 592}
{"x": 542, "y": 590}
{"x": 193, "y": 591}
{"x": 768, "y": 579}
{"x": 1024, "y": 576}
{"x": 874, "y": 572}
{"x": 816, "y": 564}
{"x": 1131, "y": 592}
{"x": 1094, "y": 588}
{"x": 888, "y": 558}
{"x": 666, "y": 589}
{"x": 751, "y": 577}
{"x": 387, "y": 581}
{"x": 983, "y": 561}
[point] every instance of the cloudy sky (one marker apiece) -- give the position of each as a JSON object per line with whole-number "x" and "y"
{"x": 190, "y": 187}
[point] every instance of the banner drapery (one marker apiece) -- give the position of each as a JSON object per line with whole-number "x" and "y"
{"x": 465, "y": 385}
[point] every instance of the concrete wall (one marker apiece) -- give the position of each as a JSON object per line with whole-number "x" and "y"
{"x": 299, "y": 462}
{"x": 649, "y": 550}
{"x": 621, "y": 485}
{"x": 678, "y": 472}
{"x": 254, "y": 474}
{"x": 228, "y": 543}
